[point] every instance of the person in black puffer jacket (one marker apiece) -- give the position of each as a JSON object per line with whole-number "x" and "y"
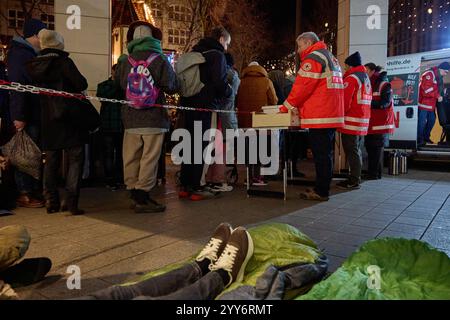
{"x": 60, "y": 128}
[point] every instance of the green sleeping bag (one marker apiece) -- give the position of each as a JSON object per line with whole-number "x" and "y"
{"x": 275, "y": 244}
{"x": 388, "y": 269}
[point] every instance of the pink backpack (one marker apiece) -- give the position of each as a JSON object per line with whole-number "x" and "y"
{"x": 141, "y": 89}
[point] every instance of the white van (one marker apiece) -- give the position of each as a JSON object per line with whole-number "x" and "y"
{"x": 405, "y": 72}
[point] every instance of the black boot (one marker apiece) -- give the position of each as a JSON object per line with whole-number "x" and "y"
{"x": 27, "y": 272}
{"x": 144, "y": 204}
{"x": 72, "y": 205}
{"x": 52, "y": 202}
{"x": 133, "y": 199}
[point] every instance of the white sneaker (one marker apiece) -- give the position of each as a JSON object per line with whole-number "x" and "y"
{"x": 224, "y": 187}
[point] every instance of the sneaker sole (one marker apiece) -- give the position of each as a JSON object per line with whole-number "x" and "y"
{"x": 240, "y": 276}
{"x": 196, "y": 198}
{"x": 348, "y": 188}
{"x": 149, "y": 211}
{"x": 37, "y": 206}
{"x": 223, "y": 190}
{"x": 183, "y": 195}
{"x": 310, "y": 199}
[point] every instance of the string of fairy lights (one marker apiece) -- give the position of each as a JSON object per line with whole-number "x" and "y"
{"x": 422, "y": 18}
{"x": 146, "y": 7}
{"x": 285, "y": 64}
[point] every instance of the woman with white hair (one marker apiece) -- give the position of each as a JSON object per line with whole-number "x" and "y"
{"x": 63, "y": 125}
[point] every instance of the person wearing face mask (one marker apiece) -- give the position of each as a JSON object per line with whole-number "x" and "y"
{"x": 318, "y": 97}
{"x": 431, "y": 90}
{"x": 24, "y": 107}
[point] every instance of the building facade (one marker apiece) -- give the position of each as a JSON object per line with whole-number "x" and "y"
{"x": 418, "y": 26}
{"x": 174, "y": 17}
{"x": 176, "y": 20}
{"x": 12, "y": 16}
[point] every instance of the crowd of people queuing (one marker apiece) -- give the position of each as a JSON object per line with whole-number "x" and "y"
{"x": 357, "y": 104}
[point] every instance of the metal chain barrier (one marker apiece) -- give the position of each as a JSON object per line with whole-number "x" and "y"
{"x": 17, "y": 87}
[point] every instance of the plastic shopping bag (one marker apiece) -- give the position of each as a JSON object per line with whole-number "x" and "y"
{"x": 24, "y": 154}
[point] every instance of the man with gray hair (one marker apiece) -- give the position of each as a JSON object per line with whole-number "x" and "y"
{"x": 318, "y": 97}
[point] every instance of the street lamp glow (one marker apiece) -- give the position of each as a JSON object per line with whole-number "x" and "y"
{"x": 430, "y": 11}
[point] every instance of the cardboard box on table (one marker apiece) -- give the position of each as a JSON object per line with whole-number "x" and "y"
{"x": 270, "y": 117}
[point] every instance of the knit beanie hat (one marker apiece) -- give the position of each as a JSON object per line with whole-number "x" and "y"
{"x": 51, "y": 40}
{"x": 31, "y": 27}
{"x": 444, "y": 66}
{"x": 354, "y": 60}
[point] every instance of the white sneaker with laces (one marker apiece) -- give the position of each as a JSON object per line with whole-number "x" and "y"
{"x": 216, "y": 244}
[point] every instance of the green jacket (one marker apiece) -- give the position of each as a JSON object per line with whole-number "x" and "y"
{"x": 164, "y": 77}
{"x": 110, "y": 113}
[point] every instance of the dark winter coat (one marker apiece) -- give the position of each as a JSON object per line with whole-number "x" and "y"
{"x": 110, "y": 113}
{"x": 61, "y": 117}
{"x": 6, "y": 128}
{"x": 23, "y": 106}
{"x": 213, "y": 74}
{"x": 385, "y": 95}
{"x": 164, "y": 77}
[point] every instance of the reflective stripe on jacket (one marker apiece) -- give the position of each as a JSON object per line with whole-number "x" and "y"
{"x": 318, "y": 91}
{"x": 357, "y": 102}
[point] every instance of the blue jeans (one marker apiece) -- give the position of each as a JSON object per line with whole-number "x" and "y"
{"x": 322, "y": 144}
{"x": 427, "y": 120}
{"x": 26, "y": 183}
{"x": 185, "y": 283}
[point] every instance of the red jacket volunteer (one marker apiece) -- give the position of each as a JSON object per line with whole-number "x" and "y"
{"x": 382, "y": 120}
{"x": 357, "y": 101}
{"x": 318, "y": 91}
{"x": 429, "y": 90}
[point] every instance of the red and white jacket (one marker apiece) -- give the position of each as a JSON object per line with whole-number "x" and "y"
{"x": 382, "y": 119}
{"x": 318, "y": 91}
{"x": 429, "y": 90}
{"x": 357, "y": 101}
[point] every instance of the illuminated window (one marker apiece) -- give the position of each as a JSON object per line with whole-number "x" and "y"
{"x": 49, "y": 20}
{"x": 179, "y": 13}
{"x": 178, "y": 37}
{"x": 156, "y": 10}
{"x": 15, "y": 19}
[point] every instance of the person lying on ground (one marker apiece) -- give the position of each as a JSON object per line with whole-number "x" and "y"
{"x": 14, "y": 243}
{"x": 221, "y": 263}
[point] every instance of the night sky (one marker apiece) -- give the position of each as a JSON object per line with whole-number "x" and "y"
{"x": 281, "y": 17}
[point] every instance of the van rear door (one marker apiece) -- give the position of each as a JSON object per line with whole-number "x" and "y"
{"x": 404, "y": 75}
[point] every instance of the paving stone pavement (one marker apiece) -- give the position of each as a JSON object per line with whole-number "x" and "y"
{"x": 112, "y": 245}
